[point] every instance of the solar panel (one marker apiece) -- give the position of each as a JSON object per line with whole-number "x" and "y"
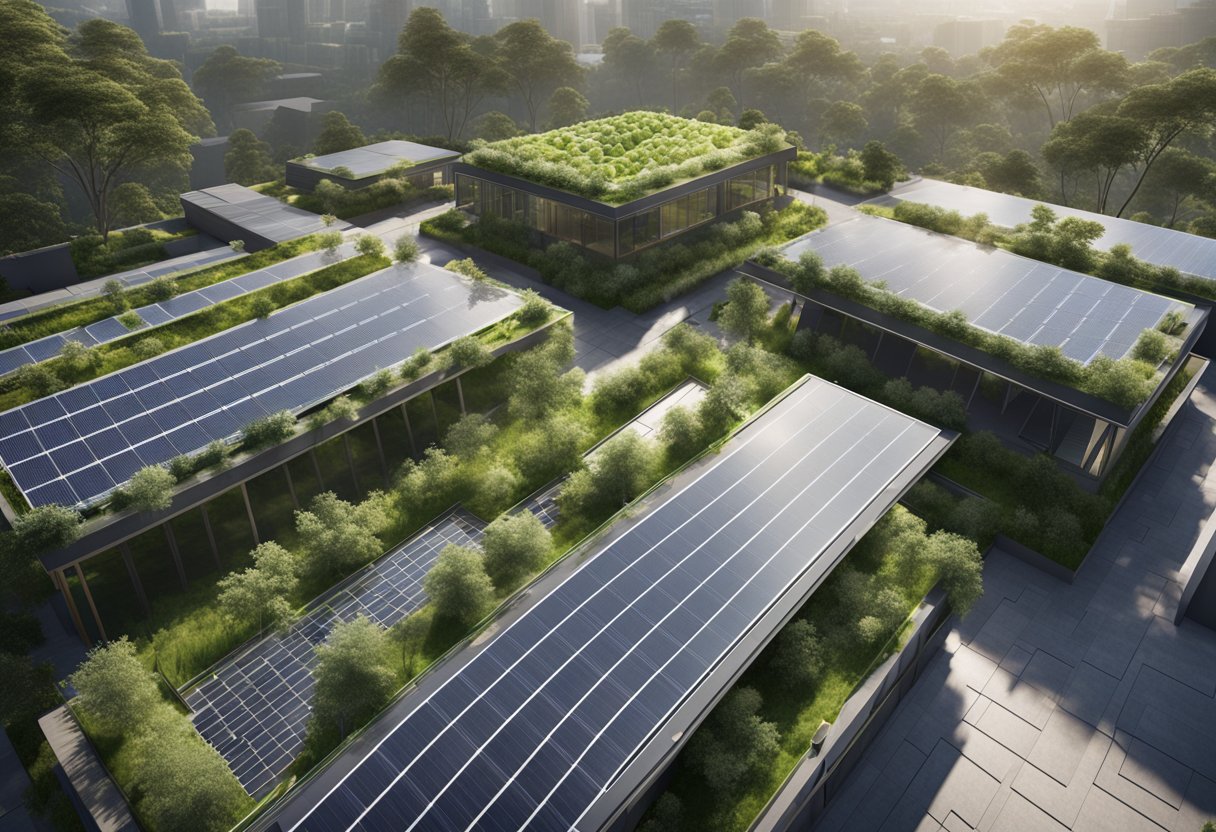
{"x": 1188, "y": 253}
{"x": 255, "y": 708}
{"x": 377, "y": 158}
{"x": 226, "y": 381}
{"x": 532, "y": 729}
{"x": 1024, "y": 299}
{"x": 157, "y": 314}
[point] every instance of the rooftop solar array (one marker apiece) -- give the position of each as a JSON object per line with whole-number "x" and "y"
{"x": 259, "y": 215}
{"x": 1187, "y": 253}
{"x": 75, "y": 446}
{"x": 155, "y": 314}
{"x": 1029, "y": 301}
{"x": 372, "y": 159}
{"x": 254, "y": 709}
{"x": 531, "y": 731}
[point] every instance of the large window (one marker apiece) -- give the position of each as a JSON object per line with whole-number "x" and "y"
{"x": 748, "y": 188}
{"x": 639, "y": 231}
{"x": 571, "y": 224}
{"x": 687, "y": 211}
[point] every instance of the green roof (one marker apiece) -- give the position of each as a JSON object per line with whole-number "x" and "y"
{"x": 621, "y": 158}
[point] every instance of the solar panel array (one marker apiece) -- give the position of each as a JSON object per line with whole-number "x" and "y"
{"x": 1188, "y": 253}
{"x": 255, "y": 709}
{"x": 75, "y": 446}
{"x": 258, "y": 214}
{"x": 155, "y": 314}
{"x": 536, "y": 725}
{"x": 377, "y": 158}
{"x": 1029, "y": 301}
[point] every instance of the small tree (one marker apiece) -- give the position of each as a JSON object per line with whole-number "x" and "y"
{"x": 734, "y": 742}
{"x": 553, "y": 448}
{"x": 681, "y": 433}
{"x": 516, "y": 545}
{"x": 410, "y": 632}
{"x": 329, "y": 241}
{"x": 879, "y": 164}
{"x": 375, "y": 386}
{"x": 78, "y": 357}
{"x": 149, "y": 489}
{"x": 337, "y": 535}
{"x": 459, "y": 587}
{"x": 45, "y": 528}
{"x": 419, "y": 361}
{"x": 406, "y": 249}
{"x": 619, "y": 471}
{"x": 113, "y": 291}
{"x": 369, "y": 245}
{"x": 260, "y": 594}
{"x": 354, "y": 676}
{"x": 340, "y": 409}
{"x": 567, "y": 106}
{"x": 468, "y": 352}
{"x": 237, "y": 245}
{"x": 146, "y": 348}
{"x": 130, "y": 320}
{"x": 535, "y": 310}
{"x": 269, "y": 430}
{"x": 539, "y": 387}
{"x": 958, "y": 565}
{"x": 183, "y": 782}
{"x": 725, "y": 403}
{"x": 114, "y": 687}
{"x": 746, "y": 310}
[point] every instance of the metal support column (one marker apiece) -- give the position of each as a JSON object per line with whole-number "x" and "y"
{"x": 380, "y": 450}
{"x": 291, "y": 486}
{"x": 88, "y": 596}
{"x": 253, "y": 524}
{"x": 61, "y": 581}
{"x": 460, "y": 394}
{"x": 171, "y": 538}
{"x": 409, "y": 430}
{"x": 350, "y": 460}
{"x": 129, "y": 562}
{"x": 215, "y": 550}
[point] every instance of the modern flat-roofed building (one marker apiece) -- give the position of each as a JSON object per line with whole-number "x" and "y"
{"x": 234, "y": 212}
{"x": 619, "y": 185}
{"x": 566, "y": 716}
{"x": 363, "y": 166}
{"x": 1031, "y": 303}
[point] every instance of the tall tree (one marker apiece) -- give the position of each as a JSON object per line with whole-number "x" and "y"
{"x": 1056, "y": 66}
{"x": 677, "y": 39}
{"x": 842, "y": 121}
{"x": 337, "y": 133}
{"x": 453, "y": 73}
{"x": 1167, "y": 111}
{"x": 104, "y": 112}
{"x": 631, "y": 59}
{"x": 458, "y": 585}
{"x": 941, "y": 107}
{"x": 114, "y": 687}
{"x": 536, "y": 63}
{"x": 750, "y": 43}
{"x": 227, "y": 77}
{"x": 1096, "y": 144}
{"x": 1180, "y": 175}
{"x": 567, "y": 106}
{"x": 259, "y": 595}
{"x": 354, "y": 676}
{"x": 247, "y": 161}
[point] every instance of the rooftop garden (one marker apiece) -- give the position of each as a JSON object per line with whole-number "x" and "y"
{"x": 621, "y": 158}
{"x": 1126, "y": 382}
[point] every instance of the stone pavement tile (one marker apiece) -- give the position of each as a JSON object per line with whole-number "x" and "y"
{"x": 1087, "y": 693}
{"x": 1167, "y": 605}
{"x": 1048, "y": 674}
{"x": 1060, "y": 746}
{"x": 956, "y": 824}
{"x": 1186, "y": 653}
{"x": 1010, "y": 730}
{"x": 1063, "y": 802}
{"x": 947, "y": 782}
{"x": 999, "y": 632}
{"x": 886, "y": 790}
{"x": 1116, "y": 642}
{"x": 1103, "y": 813}
{"x": 1158, "y": 773}
{"x": 1198, "y": 805}
{"x": 1127, "y": 791}
{"x": 976, "y": 711}
{"x": 836, "y": 816}
{"x": 1020, "y": 815}
{"x": 1015, "y": 660}
{"x": 981, "y": 749}
{"x": 1020, "y": 697}
{"x": 1190, "y": 744}
{"x": 906, "y": 717}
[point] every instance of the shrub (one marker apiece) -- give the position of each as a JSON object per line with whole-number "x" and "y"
{"x": 149, "y": 489}
{"x": 160, "y": 289}
{"x": 535, "y": 310}
{"x": 734, "y": 742}
{"x": 114, "y": 687}
{"x": 469, "y": 352}
{"x": 338, "y": 536}
{"x": 80, "y": 358}
{"x": 724, "y": 404}
{"x": 45, "y": 528}
{"x": 146, "y": 348}
{"x": 269, "y": 430}
{"x": 369, "y": 245}
{"x": 470, "y": 435}
{"x": 113, "y": 291}
{"x": 468, "y": 268}
{"x": 1152, "y": 346}
{"x": 376, "y": 386}
{"x": 330, "y": 241}
{"x": 554, "y": 447}
{"x": 417, "y": 364}
{"x": 681, "y": 433}
{"x": 260, "y": 595}
{"x": 262, "y": 306}
{"x": 131, "y": 320}
{"x": 354, "y": 676}
{"x": 406, "y": 249}
{"x": 797, "y": 655}
{"x": 618, "y": 471}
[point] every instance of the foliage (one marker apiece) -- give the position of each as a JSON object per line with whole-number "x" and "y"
{"x": 262, "y": 306}
{"x": 45, "y": 528}
{"x": 468, "y": 352}
{"x": 535, "y": 310}
{"x": 131, "y": 320}
{"x": 406, "y": 250}
{"x": 369, "y": 245}
{"x": 468, "y": 268}
{"x": 149, "y": 489}
{"x": 797, "y": 654}
{"x": 470, "y": 435}
{"x": 114, "y": 687}
{"x": 746, "y": 310}
{"x": 260, "y": 594}
{"x": 538, "y": 385}
{"x": 657, "y": 274}
{"x": 337, "y": 537}
{"x": 269, "y": 430}
{"x": 354, "y": 677}
{"x": 458, "y": 585}
{"x": 337, "y": 133}
{"x": 612, "y": 159}
{"x": 618, "y": 471}
{"x": 248, "y": 161}
{"x": 516, "y": 545}
{"x": 183, "y": 467}
{"x": 734, "y": 742}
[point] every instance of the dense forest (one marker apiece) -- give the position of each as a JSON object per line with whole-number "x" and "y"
{"x": 95, "y": 132}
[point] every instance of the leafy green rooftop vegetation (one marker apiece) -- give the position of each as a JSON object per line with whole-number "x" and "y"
{"x": 620, "y": 158}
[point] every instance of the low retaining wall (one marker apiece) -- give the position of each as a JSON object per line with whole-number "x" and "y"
{"x": 814, "y": 783}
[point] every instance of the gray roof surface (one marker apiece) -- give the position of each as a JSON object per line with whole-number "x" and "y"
{"x": 1188, "y": 253}
{"x": 1029, "y": 301}
{"x": 258, "y": 213}
{"x": 372, "y": 159}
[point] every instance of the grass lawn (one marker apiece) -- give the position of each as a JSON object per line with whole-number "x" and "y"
{"x": 79, "y": 313}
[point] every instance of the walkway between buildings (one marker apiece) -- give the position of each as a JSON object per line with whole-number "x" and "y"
{"x": 1056, "y": 706}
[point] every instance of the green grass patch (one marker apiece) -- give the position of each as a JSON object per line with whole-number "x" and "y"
{"x": 95, "y": 256}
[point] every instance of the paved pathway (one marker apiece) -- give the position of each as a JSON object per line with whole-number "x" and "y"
{"x": 1056, "y": 706}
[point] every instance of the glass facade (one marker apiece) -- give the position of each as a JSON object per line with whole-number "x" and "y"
{"x": 631, "y": 234}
